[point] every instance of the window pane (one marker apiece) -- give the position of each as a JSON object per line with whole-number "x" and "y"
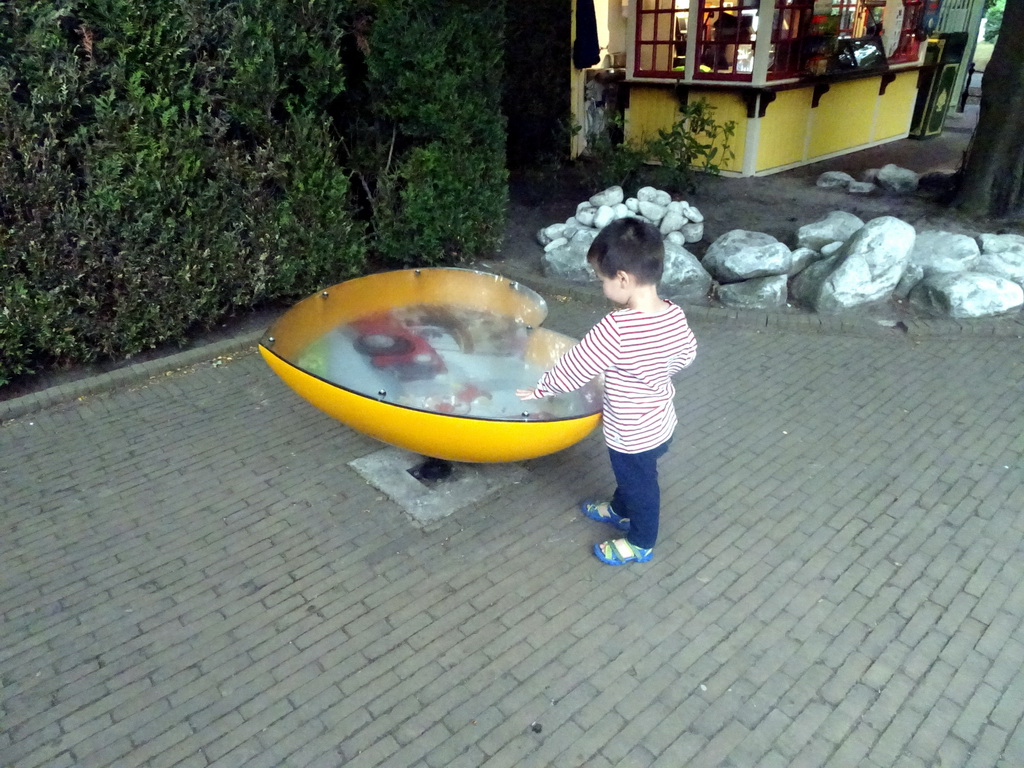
{"x": 664, "y": 26}
{"x": 646, "y": 57}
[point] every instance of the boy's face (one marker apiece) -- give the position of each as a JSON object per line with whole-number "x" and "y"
{"x": 618, "y": 287}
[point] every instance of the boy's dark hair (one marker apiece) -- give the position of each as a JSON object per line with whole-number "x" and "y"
{"x": 632, "y": 246}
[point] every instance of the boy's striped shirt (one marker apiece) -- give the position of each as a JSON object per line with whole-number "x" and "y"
{"x": 638, "y": 353}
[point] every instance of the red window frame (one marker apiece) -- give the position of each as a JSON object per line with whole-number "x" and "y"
{"x": 660, "y": 44}
{"x": 790, "y": 27}
{"x": 846, "y": 10}
{"x": 660, "y": 49}
{"x": 726, "y": 39}
{"x": 909, "y": 46}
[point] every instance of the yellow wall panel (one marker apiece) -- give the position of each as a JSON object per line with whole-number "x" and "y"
{"x": 653, "y": 108}
{"x": 728, "y": 106}
{"x": 896, "y": 107}
{"x": 784, "y": 129}
{"x": 844, "y": 117}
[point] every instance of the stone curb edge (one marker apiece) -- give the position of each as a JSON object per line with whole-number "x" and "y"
{"x": 130, "y": 374}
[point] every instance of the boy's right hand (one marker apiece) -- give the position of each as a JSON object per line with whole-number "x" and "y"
{"x": 527, "y": 394}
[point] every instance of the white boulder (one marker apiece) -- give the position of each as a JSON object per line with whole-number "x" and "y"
{"x": 1003, "y": 255}
{"x": 611, "y": 196}
{"x": 605, "y": 215}
{"x": 967, "y": 294}
{"x": 759, "y": 293}
{"x": 899, "y": 181}
{"x": 684, "y": 276}
{"x": 837, "y": 225}
{"x": 693, "y": 232}
{"x": 586, "y": 215}
{"x": 866, "y": 269}
{"x": 834, "y": 180}
{"x": 937, "y": 252}
{"x": 741, "y": 255}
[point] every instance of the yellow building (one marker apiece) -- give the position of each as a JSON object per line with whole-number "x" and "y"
{"x": 804, "y": 80}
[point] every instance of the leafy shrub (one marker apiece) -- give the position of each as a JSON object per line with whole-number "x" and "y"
{"x": 433, "y": 161}
{"x": 538, "y": 43}
{"x": 443, "y": 204}
{"x": 994, "y": 19}
{"x": 165, "y": 165}
{"x": 696, "y": 143}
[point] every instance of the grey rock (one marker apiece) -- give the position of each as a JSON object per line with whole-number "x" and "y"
{"x": 862, "y": 188}
{"x": 937, "y": 252}
{"x": 837, "y": 225}
{"x": 558, "y": 242}
{"x": 967, "y": 294}
{"x": 693, "y": 214}
{"x": 693, "y": 232}
{"x": 834, "y": 180}
{"x": 866, "y": 269}
{"x": 899, "y": 181}
{"x": 801, "y": 257}
{"x": 585, "y": 216}
{"x": 611, "y": 196}
{"x": 556, "y": 230}
{"x": 912, "y": 275}
{"x": 568, "y": 262}
{"x": 605, "y": 215}
{"x": 1003, "y": 255}
{"x": 831, "y": 248}
{"x": 673, "y": 221}
{"x": 759, "y": 293}
{"x": 652, "y": 211}
{"x": 684, "y": 276}
{"x": 741, "y": 255}
{"x": 653, "y": 195}
{"x": 583, "y": 238}
{"x": 806, "y": 286}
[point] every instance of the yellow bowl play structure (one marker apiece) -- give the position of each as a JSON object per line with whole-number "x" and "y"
{"x": 429, "y": 360}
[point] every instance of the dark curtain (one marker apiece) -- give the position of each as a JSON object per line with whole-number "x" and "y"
{"x": 586, "y": 51}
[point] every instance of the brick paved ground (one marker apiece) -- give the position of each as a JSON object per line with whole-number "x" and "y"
{"x": 193, "y": 576}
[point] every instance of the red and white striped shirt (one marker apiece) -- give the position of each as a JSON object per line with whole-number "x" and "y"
{"x": 638, "y": 353}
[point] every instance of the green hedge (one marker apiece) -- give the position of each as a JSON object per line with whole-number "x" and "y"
{"x": 538, "y": 52}
{"x": 434, "y": 83}
{"x": 170, "y": 163}
{"x": 166, "y": 165}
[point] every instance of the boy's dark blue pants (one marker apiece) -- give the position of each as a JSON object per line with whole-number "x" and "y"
{"x": 638, "y": 495}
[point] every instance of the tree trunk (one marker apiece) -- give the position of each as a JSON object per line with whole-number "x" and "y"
{"x": 993, "y": 174}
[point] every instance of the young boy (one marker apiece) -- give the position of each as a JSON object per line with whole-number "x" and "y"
{"x": 637, "y": 348}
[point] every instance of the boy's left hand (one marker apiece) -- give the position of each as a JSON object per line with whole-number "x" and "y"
{"x": 527, "y": 394}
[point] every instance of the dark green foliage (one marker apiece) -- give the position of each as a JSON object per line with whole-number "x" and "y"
{"x": 994, "y": 19}
{"x": 169, "y": 163}
{"x": 536, "y": 90}
{"x": 673, "y": 160}
{"x": 445, "y": 203}
{"x": 165, "y": 164}
{"x": 436, "y": 143}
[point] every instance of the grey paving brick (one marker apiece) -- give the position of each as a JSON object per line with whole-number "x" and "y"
{"x": 862, "y": 616}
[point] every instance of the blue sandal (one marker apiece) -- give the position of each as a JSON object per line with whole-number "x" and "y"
{"x": 602, "y": 512}
{"x": 620, "y": 552}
